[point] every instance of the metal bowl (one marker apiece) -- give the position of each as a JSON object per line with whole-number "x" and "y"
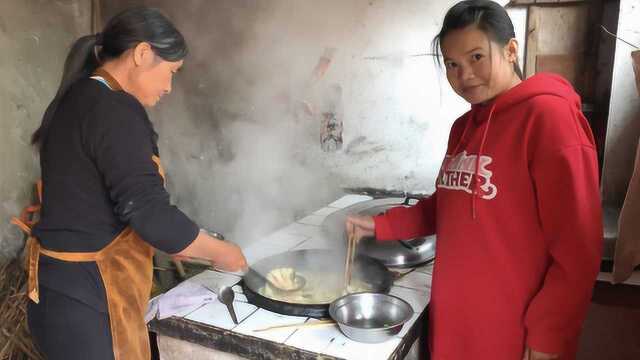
{"x": 370, "y": 317}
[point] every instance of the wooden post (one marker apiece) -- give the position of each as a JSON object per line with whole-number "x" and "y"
{"x": 635, "y": 56}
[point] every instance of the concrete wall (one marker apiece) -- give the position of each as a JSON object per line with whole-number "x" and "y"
{"x": 243, "y": 152}
{"x": 34, "y": 37}
{"x": 241, "y": 133}
{"x": 623, "y": 126}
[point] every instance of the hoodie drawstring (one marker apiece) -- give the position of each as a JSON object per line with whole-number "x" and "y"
{"x": 464, "y": 133}
{"x": 477, "y": 167}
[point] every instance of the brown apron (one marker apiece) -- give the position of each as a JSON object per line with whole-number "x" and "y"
{"x": 126, "y": 268}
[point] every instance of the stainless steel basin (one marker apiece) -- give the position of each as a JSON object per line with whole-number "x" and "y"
{"x": 370, "y": 317}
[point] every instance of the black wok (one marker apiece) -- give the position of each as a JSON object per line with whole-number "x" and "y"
{"x": 323, "y": 262}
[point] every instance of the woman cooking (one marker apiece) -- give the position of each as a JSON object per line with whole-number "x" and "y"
{"x": 104, "y": 205}
{"x": 516, "y": 208}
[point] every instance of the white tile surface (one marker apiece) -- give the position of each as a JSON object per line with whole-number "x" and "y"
{"x": 281, "y": 238}
{"x": 216, "y": 314}
{"x": 418, "y": 299}
{"x": 260, "y": 250}
{"x": 326, "y": 211}
{"x": 315, "y": 243}
{"x": 314, "y": 339}
{"x": 426, "y": 269}
{"x": 264, "y": 318}
{"x": 213, "y": 280}
{"x": 240, "y": 298}
{"x": 239, "y": 294}
{"x": 188, "y": 311}
{"x": 344, "y": 348}
{"x": 414, "y": 280}
{"x": 349, "y": 200}
{"x": 303, "y": 229}
{"x": 315, "y": 220}
{"x": 408, "y": 325}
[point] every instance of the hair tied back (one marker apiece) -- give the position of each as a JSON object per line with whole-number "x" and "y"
{"x": 99, "y": 39}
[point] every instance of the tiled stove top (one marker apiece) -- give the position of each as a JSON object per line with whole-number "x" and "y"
{"x": 327, "y": 340}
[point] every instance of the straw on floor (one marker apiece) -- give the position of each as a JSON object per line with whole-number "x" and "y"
{"x": 15, "y": 340}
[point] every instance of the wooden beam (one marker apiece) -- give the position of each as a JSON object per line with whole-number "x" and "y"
{"x": 542, "y": 2}
{"x": 533, "y": 23}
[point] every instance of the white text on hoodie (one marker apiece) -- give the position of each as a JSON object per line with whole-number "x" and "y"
{"x": 458, "y": 173}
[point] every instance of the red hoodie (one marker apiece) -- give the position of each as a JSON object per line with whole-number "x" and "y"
{"x": 518, "y": 250}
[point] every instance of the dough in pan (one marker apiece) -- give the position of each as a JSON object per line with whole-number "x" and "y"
{"x": 283, "y": 278}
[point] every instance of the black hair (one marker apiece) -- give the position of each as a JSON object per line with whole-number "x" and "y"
{"x": 486, "y": 15}
{"x": 123, "y": 32}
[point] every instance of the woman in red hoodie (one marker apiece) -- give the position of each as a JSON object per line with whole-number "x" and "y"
{"x": 516, "y": 209}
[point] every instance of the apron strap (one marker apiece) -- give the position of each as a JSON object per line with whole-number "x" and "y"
{"x": 161, "y": 171}
{"x": 71, "y": 256}
{"x": 32, "y": 260}
{"x": 28, "y": 218}
{"x": 109, "y": 80}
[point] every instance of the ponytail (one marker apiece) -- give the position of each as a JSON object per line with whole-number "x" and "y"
{"x": 81, "y": 62}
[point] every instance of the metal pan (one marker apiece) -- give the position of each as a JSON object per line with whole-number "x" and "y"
{"x": 399, "y": 253}
{"x": 323, "y": 262}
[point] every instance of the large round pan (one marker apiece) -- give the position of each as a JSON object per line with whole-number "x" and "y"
{"x": 399, "y": 253}
{"x": 323, "y": 262}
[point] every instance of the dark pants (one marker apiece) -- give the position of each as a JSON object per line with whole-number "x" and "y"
{"x": 66, "y": 329}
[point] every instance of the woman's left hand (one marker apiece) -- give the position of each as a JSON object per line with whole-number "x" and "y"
{"x": 530, "y": 354}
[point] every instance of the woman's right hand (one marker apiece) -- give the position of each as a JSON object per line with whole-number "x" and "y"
{"x": 223, "y": 255}
{"x": 360, "y": 226}
{"x": 229, "y": 257}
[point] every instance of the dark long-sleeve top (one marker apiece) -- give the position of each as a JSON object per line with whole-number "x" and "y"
{"x": 99, "y": 177}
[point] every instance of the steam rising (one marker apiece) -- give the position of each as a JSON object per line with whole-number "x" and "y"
{"x": 240, "y": 135}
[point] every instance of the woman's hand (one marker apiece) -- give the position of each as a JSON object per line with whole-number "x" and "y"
{"x": 223, "y": 255}
{"x": 360, "y": 226}
{"x": 229, "y": 257}
{"x": 530, "y": 354}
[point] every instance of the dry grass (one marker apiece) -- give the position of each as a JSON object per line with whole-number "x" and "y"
{"x": 15, "y": 340}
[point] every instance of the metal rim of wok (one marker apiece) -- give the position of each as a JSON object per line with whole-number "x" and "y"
{"x": 401, "y": 253}
{"x": 367, "y": 270}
